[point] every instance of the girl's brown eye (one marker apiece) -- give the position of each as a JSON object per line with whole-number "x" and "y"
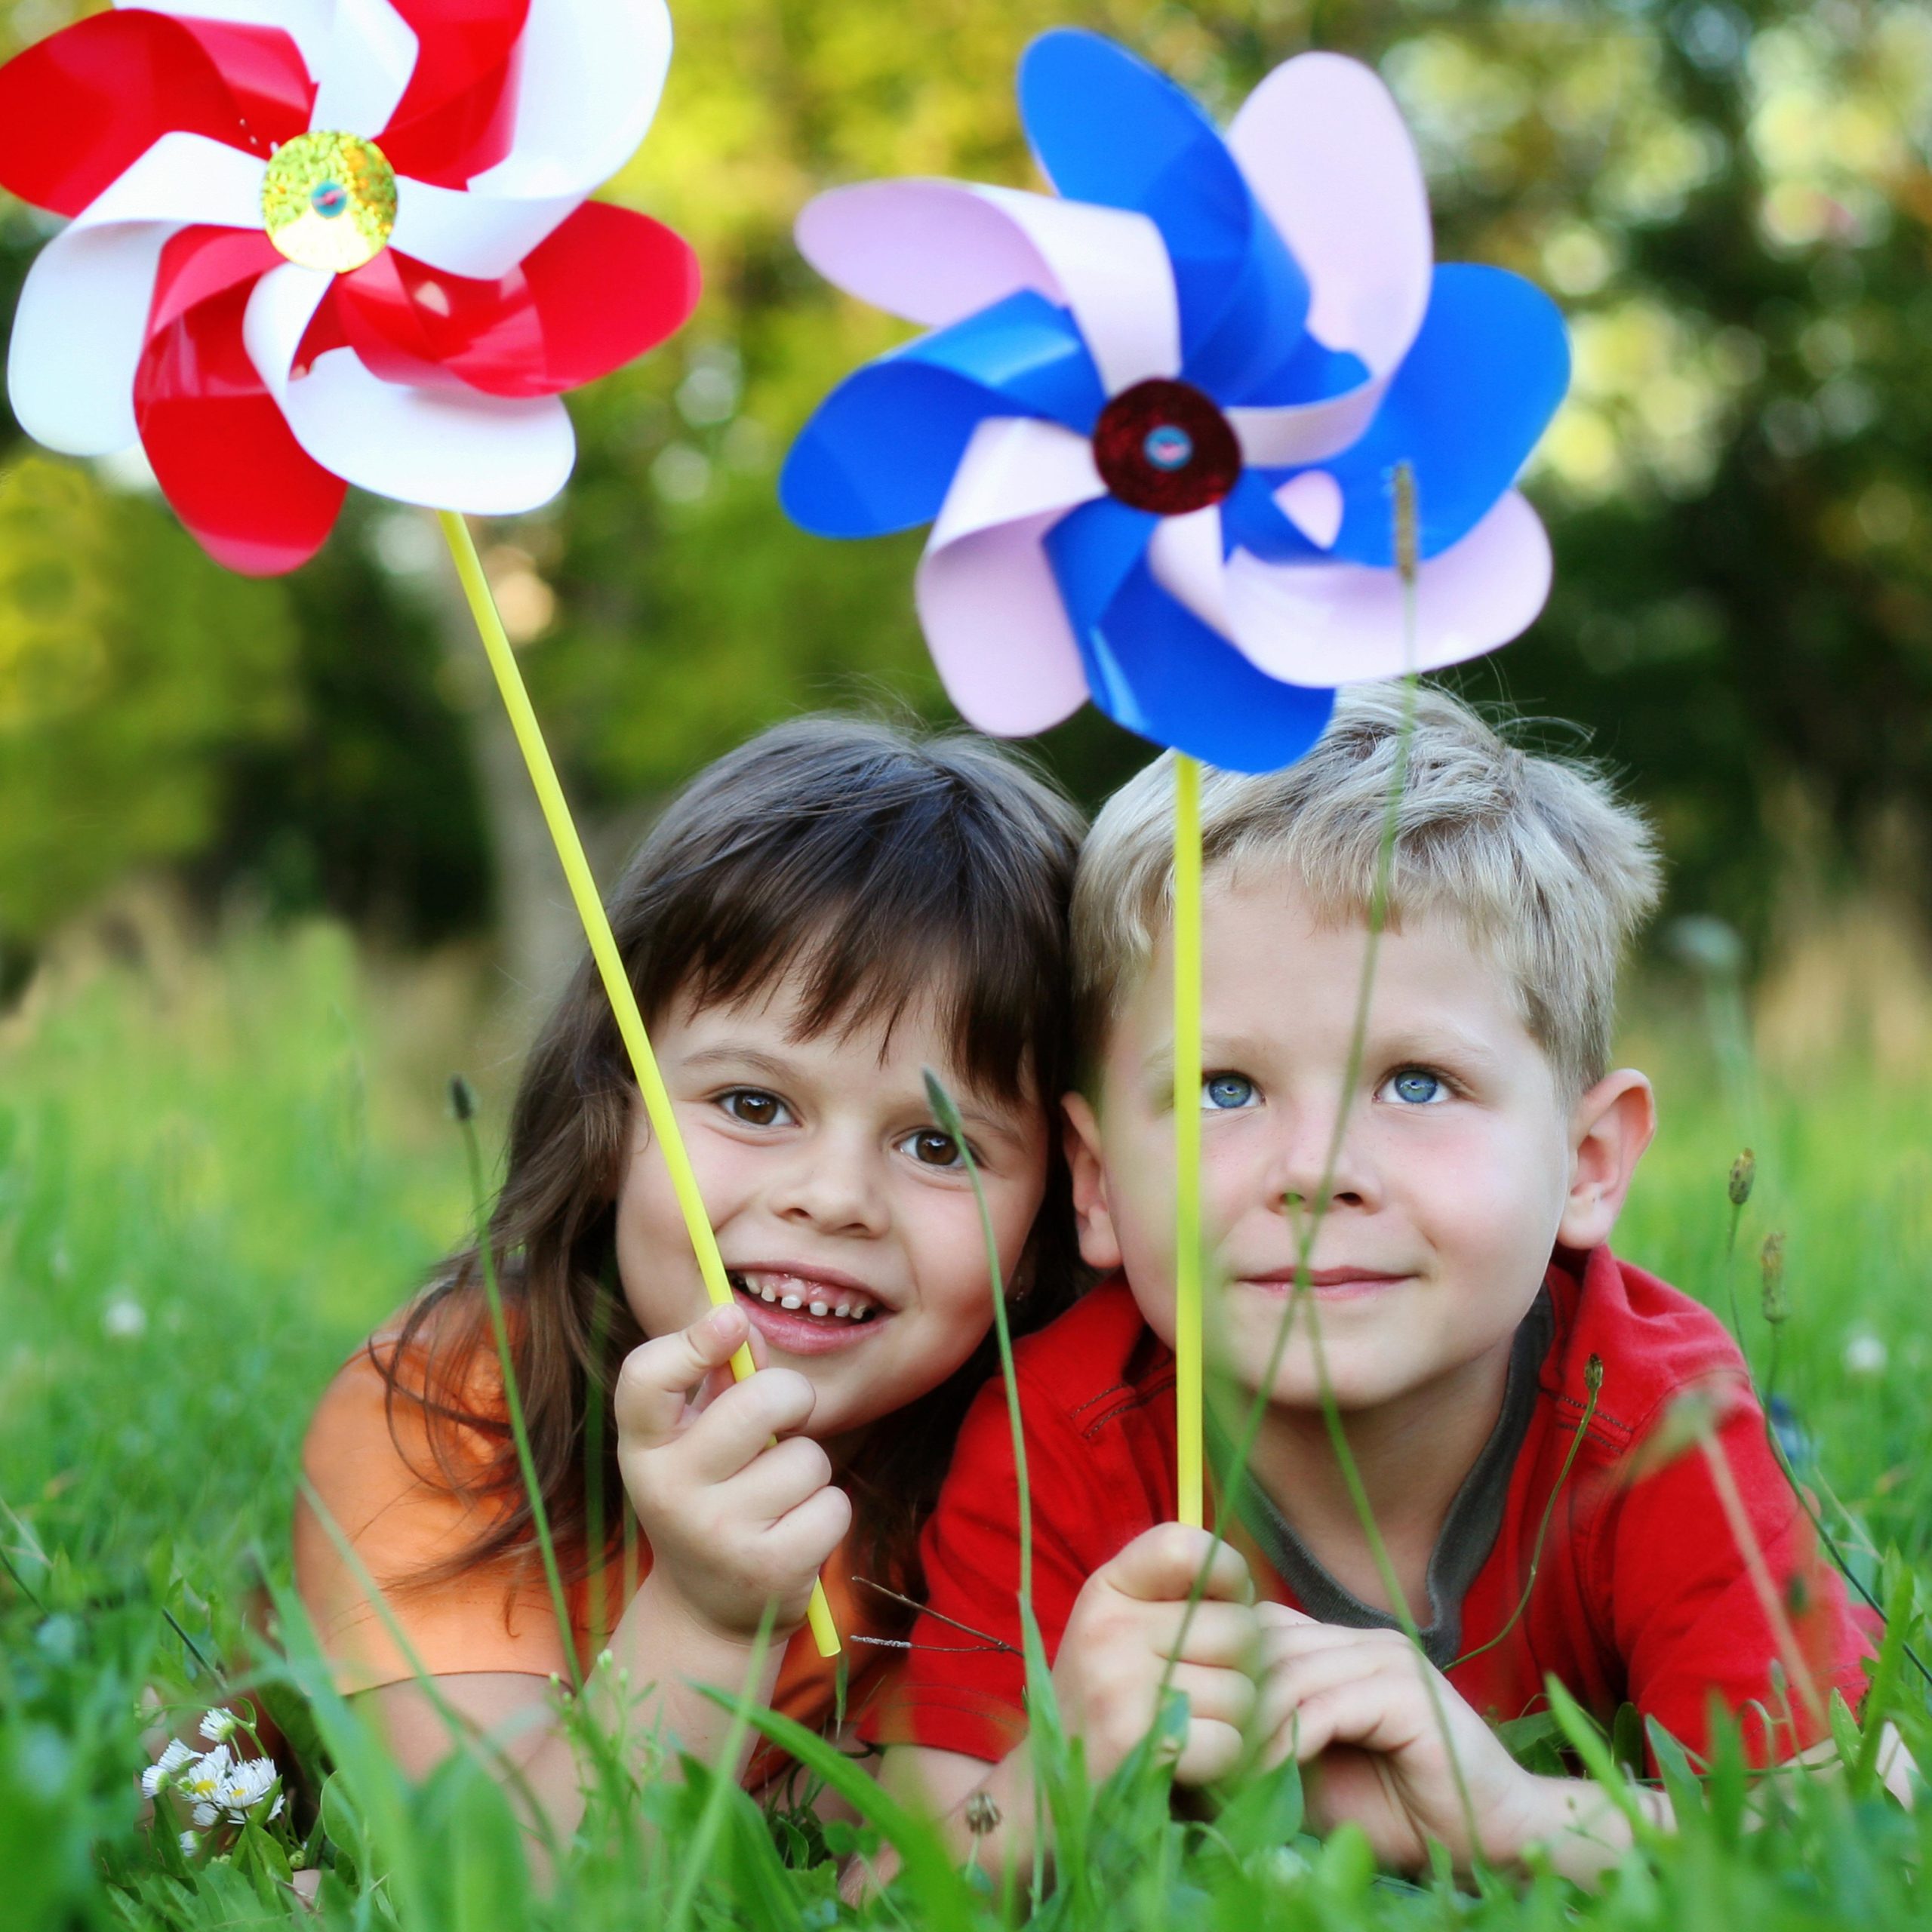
{"x": 754, "y": 1108}
{"x": 931, "y": 1148}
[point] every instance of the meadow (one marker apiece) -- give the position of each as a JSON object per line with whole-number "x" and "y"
{"x": 221, "y": 1162}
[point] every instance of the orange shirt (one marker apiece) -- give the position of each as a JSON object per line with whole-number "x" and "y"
{"x": 497, "y": 1616}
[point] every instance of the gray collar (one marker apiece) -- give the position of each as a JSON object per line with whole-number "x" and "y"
{"x": 1468, "y": 1531}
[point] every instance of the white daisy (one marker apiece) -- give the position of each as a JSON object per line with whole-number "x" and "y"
{"x": 190, "y": 1844}
{"x": 160, "y": 1773}
{"x": 245, "y": 1787}
{"x": 206, "y": 1816}
{"x": 218, "y": 1727}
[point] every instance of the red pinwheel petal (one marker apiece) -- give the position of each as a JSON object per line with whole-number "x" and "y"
{"x": 457, "y": 115}
{"x": 79, "y": 109}
{"x": 224, "y": 456}
{"x": 265, "y": 75}
{"x": 607, "y": 285}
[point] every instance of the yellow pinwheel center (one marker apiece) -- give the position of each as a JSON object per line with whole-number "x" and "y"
{"x": 329, "y": 201}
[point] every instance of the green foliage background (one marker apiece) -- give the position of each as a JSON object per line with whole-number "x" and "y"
{"x": 1730, "y": 198}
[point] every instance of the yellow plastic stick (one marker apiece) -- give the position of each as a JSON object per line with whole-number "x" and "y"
{"x": 1187, "y": 1134}
{"x": 610, "y": 962}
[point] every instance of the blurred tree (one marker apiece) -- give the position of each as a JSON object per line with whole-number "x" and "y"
{"x": 1730, "y": 198}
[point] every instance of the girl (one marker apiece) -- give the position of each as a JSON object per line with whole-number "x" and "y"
{"x": 818, "y": 919}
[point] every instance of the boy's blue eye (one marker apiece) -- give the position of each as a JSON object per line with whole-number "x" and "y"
{"x": 1416, "y": 1086}
{"x": 751, "y": 1107}
{"x": 1226, "y": 1091}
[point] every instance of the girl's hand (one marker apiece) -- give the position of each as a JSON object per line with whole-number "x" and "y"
{"x": 734, "y": 1519}
{"x": 1125, "y": 1636}
{"x": 1355, "y": 1707}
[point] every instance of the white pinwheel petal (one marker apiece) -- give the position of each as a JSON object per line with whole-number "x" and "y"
{"x": 307, "y": 23}
{"x": 77, "y": 336}
{"x": 452, "y": 450}
{"x": 365, "y": 68}
{"x": 483, "y": 236}
{"x": 1329, "y": 624}
{"x": 1184, "y": 557}
{"x": 183, "y": 178}
{"x": 936, "y": 251}
{"x": 1323, "y": 145}
{"x": 590, "y": 74}
{"x": 988, "y": 600}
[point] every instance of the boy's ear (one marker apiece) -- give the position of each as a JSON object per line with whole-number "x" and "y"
{"x": 1610, "y": 1127}
{"x": 1100, "y": 1246}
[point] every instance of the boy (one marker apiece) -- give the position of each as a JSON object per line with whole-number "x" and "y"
{"x": 1449, "y": 1181}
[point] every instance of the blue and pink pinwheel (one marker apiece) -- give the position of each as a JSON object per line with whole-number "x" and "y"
{"x": 1156, "y": 419}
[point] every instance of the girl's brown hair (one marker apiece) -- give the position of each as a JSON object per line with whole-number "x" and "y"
{"x": 877, "y": 866}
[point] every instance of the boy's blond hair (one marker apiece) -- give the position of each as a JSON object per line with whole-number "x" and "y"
{"x": 1541, "y": 863}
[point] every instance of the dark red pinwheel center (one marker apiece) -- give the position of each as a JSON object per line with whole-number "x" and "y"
{"x": 1163, "y": 446}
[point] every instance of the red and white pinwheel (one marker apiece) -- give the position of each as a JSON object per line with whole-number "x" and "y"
{"x": 317, "y": 242}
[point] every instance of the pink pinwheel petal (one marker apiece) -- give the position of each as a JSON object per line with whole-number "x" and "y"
{"x": 1311, "y": 500}
{"x": 1184, "y": 557}
{"x": 490, "y": 456}
{"x": 987, "y": 598}
{"x": 936, "y": 251}
{"x": 1329, "y": 624}
{"x": 1324, "y": 147}
{"x": 80, "y": 108}
{"x": 221, "y": 451}
{"x": 998, "y": 630}
{"x": 458, "y": 114}
{"x": 589, "y": 76}
{"x": 365, "y": 68}
{"x": 608, "y": 285}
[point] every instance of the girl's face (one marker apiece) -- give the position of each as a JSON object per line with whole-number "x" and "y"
{"x": 843, "y": 1214}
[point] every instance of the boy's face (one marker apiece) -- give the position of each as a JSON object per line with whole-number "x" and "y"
{"x": 843, "y": 1214}
{"x": 1461, "y": 1165}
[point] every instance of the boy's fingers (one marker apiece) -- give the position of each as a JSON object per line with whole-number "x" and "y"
{"x": 1224, "y": 1635}
{"x": 1211, "y": 1751}
{"x": 1161, "y": 1564}
{"x": 1218, "y": 1696}
{"x": 656, "y": 1378}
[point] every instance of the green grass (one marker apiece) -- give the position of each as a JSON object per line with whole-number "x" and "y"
{"x": 214, "y": 1177}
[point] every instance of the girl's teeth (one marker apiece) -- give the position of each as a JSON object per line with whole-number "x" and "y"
{"x": 770, "y": 1294}
{"x": 843, "y": 1309}
{"x": 793, "y": 1301}
{"x": 819, "y": 1307}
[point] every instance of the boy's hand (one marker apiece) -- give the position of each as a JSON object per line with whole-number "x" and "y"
{"x": 1356, "y": 1708}
{"x": 1125, "y": 1629}
{"x": 734, "y": 1518}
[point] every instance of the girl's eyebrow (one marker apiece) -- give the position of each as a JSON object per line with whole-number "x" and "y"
{"x": 750, "y": 1058}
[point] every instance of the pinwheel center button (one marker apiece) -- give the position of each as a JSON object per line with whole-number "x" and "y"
{"x": 1164, "y": 446}
{"x": 329, "y": 201}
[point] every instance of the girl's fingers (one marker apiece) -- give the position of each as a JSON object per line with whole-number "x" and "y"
{"x": 656, "y": 1378}
{"x": 777, "y": 1479}
{"x": 802, "y": 1539}
{"x": 738, "y": 1425}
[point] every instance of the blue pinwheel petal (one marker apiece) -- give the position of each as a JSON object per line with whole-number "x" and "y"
{"x": 1107, "y": 128}
{"x": 1252, "y": 520}
{"x": 880, "y": 452}
{"x": 1476, "y": 388}
{"x": 1154, "y": 667}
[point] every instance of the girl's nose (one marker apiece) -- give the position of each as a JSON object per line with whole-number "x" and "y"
{"x": 834, "y": 1187}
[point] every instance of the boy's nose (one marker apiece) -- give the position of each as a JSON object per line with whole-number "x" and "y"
{"x": 1316, "y": 1167}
